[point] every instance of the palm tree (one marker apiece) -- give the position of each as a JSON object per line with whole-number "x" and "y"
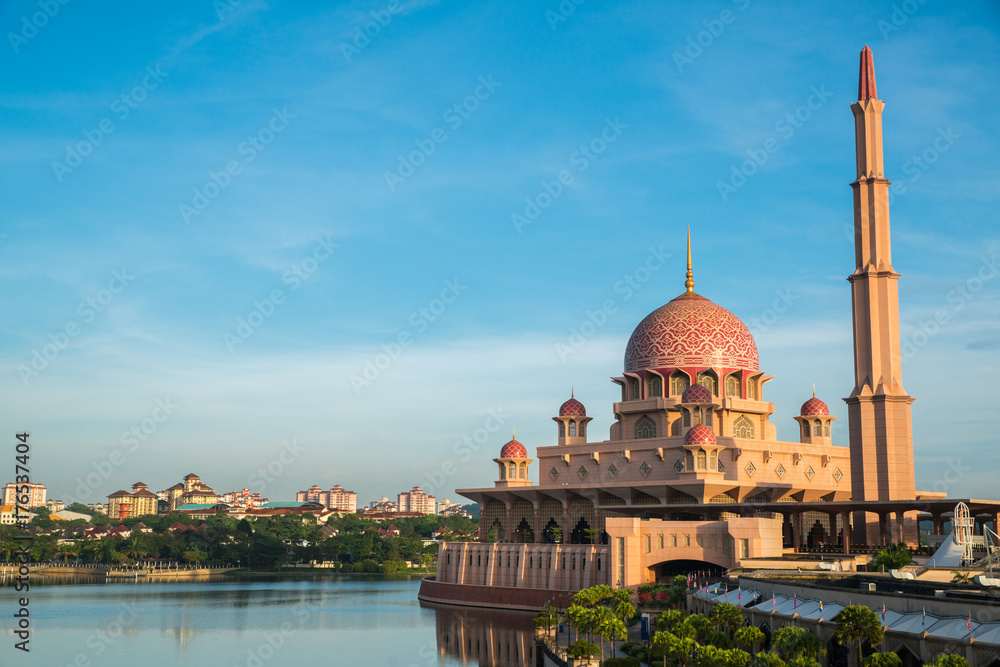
{"x": 887, "y": 659}
{"x": 676, "y": 648}
{"x": 134, "y": 547}
{"x": 857, "y": 623}
{"x": 767, "y": 659}
{"x": 728, "y": 617}
{"x": 749, "y": 637}
{"x": 791, "y": 643}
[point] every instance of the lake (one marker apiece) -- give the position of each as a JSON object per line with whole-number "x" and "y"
{"x": 253, "y": 622}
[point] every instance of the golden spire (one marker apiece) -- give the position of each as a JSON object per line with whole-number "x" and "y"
{"x": 571, "y": 391}
{"x": 689, "y": 283}
{"x": 513, "y": 435}
{"x": 814, "y": 390}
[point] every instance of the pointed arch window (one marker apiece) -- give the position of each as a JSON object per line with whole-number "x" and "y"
{"x": 751, "y": 390}
{"x": 713, "y": 461}
{"x": 655, "y": 387}
{"x": 818, "y": 427}
{"x": 708, "y": 380}
{"x": 689, "y": 461}
{"x": 805, "y": 429}
{"x": 702, "y": 460}
{"x": 583, "y": 429}
{"x": 512, "y": 471}
{"x": 678, "y": 383}
{"x": 708, "y": 416}
{"x": 687, "y": 416}
{"x": 827, "y": 429}
{"x": 633, "y": 389}
{"x": 733, "y": 387}
{"x": 522, "y": 471}
{"x": 743, "y": 428}
{"x": 572, "y": 428}
{"x": 645, "y": 428}
{"x": 562, "y": 429}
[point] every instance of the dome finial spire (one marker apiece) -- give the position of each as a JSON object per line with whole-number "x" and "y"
{"x": 814, "y": 390}
{"x": 689, "y": 283}
{"x": 571, "y": 392}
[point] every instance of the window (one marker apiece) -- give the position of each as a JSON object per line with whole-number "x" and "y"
{"x": 818, "y": 427}
{"x": 827, "y": 429}
{"x": 673, "y": 540}
{"x": 645, "y": 428}
{"x": 744, "y": 548}
{"x": 583, "y": 429}
{"x": 697, "y": 416}
{"x": 713, "y": 461}
{"x": 686, "y": 541}
{"x": 522, "y": 471}
{"x": 687, "y": 416}
{"x": 751, "y": 390}
{"x": 743, "y": 428}
{"x": 562, "y": 430}
{"x": 708, "y": 416}
{"x": 805, "y": 429}
{"x": 503, "y": 472}
{"x": 648, "y": 544}
{"x": 713, "y": 545}
{"x": 708, "y": 381}
{"x": 659, "y": 541}
{"x": 598, "y": 564}
{"x": 633, "y": 389}
{"x": 733, "y": 387}
{"x": 701, "y": 459}
{"x": 511, "y": 471}
{"x": 572, "y": 428}
{"x": 689, "y": 461}
{"x": 700, "y": 540}
{"x": 655, "y": 387}
{"x": 678, "y": 383}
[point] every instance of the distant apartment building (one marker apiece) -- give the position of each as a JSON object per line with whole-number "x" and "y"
{"x": 244, "y": 499}
{"x": 383, "y": 505}
{"x": 124, "y": 505}
{"x": 335, "y": 499}
{"x": 191, "y": 491}
{"x": 97, "y": 507}
{"x": 9, "y": 515}
{"x": 55, "y": 505}
{"x": 34, "y": 491}
{"x": 415, "y": 500}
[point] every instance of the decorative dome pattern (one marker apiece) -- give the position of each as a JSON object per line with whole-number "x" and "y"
{"x": 572, "y": 408}
{"x": 514, "y": 450}
{"x": 691, "y": 331}
{"x": 813, "y": 407}
{"x": 696, "y": 394}
{"x": 700, "y": 435}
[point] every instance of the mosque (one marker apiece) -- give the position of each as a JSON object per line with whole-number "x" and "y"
{"x": 693, "y": 470}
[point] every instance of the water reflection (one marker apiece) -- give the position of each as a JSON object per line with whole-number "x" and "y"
{"x": 487, "y": 637}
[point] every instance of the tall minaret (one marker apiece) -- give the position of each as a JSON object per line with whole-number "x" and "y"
{"x": 878, "y": 408}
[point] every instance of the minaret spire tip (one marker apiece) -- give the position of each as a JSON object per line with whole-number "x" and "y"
{"x": 866, "y": 76}
{"x": 689, "y": 283}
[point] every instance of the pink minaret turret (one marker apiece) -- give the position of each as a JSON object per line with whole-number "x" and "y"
{"x": 881, "y": 435}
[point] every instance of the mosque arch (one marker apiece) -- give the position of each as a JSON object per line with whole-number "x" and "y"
{"x": 654, "y": 386}
{"x": 751, "y": 389}
{"x": 743, "y": 428}
{"x": 679, "y": 382}
{"x": 645, "y": 428}
{"x": 572, "y": 428}
{"x": 709, "y": 380}
{"x": 733, "y": 386}
{"x": 702, "y": 459}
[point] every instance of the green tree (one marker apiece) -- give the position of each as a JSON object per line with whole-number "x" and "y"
{"x": 767, "y": 659}
{"x": 892, "y": 557}
{"x": 792, "y": 642}
{"x": 887, "y": 659}
{"x": 948, "y": 660}
{"x": 749, "y": 637}
{"x": 679, "y": 649}
{"x": 727, "y": 616}
{"x": 857, "y": 624}
{"x": 669, "y": 620}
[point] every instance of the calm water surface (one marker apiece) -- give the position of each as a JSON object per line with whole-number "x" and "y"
{"x": 257, "y": 623}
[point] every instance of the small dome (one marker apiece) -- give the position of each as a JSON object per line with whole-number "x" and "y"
{"x": 696, "y": 394}
{"x": 700, "y": 435}
{"x": 813, "y": 407}
{"x": 513, "y": 450}
{"x": 572, "y": 408}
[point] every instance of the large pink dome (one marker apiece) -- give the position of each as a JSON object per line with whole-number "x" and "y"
{"x": 572, "y": 408}
{"x": 814, "y": 407}
{"x": 514, "y": 450}
{"x": 691, "y": 332}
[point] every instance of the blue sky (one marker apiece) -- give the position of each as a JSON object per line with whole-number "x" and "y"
{"x": 343, "y": 193}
